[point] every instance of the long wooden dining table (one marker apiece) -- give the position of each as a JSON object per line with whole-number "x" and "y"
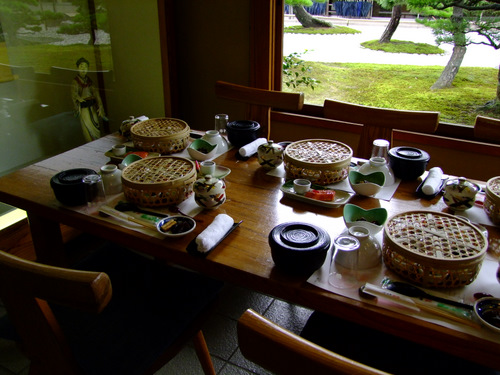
{"x": 244, "y": 257}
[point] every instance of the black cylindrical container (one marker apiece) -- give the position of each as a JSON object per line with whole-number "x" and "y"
{"x": 68, "y": 186}
{"x": 242, "y": 132}
{"x": 298, "y": 248}
{"x": 408, "y": 163}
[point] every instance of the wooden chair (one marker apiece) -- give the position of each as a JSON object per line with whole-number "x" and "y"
{"x": 261, "y": 101}
{"x": 130, "y": 319}
{"x": 378, "y": 123}
{"x": 283, "y": 352}
{"x": 487, "y": 129}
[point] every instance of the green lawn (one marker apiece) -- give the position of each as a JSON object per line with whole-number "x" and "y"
{"x": 403, "y": 87}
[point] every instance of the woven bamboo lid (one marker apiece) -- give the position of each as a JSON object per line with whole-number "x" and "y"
{"x": 435, "y": 237}
{"x": 163, "y": 171}
{"x": 493, "y": 189}
{"x": 314, "y": 153}
{"x": 165, "y": 128}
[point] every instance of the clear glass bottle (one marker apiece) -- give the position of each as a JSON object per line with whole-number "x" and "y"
{"x": 221, "y": 121}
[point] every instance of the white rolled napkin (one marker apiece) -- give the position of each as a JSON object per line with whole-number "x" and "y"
{"x": 214, "y": 232}
{"x": 251, "y": 148}
{"x": 433, "y": 182}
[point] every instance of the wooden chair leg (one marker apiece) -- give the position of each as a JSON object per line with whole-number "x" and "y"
{"x": 203, "y": 355}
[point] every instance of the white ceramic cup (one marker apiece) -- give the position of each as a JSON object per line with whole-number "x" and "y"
{"x": 301, "y": 186}
{"x": 119, "y": 150}
{"x": 207, "y": 167}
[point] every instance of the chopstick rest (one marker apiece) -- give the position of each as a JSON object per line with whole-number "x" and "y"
{"x": 207, "y": 240}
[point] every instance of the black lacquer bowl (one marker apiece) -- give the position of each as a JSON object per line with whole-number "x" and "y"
{"x": 242, "y": 132}
{"x": 298, "y": 248}
{"x": 408, "y": 163}
{"x": 68, "y": 186}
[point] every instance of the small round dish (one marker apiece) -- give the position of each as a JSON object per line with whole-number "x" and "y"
{"x": 202, "y": 150}
{"x": 176, "y": 226}
{"x": 487, "y": 311}
{"x": 373, "y": 219}
{"x": 366, "y": 184}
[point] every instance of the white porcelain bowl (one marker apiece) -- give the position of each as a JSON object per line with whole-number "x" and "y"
{"x": 202, "y": 150}
{"x": 372, "y": 219}
{"x": 366, "y": 184}
{"x": 183, "y": 226}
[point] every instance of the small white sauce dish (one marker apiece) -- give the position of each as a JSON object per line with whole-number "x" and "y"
{"x": 182, "y": 225}
{"x": 487, "y": 311}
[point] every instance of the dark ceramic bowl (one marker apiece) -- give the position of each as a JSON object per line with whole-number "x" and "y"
{"x": 242, "y": 132}
{"x": 408, "y": 163}
{"x": 68, "y": 186}
{"x": 298, "y": 248}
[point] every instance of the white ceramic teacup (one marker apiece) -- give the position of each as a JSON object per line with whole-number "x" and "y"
{"x": 119, "y": 150}
{"x": 301, "y": 186}
{"x": 207, "y": 167}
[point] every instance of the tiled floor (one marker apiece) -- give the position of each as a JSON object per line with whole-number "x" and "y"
{"x": 220, "y": 334}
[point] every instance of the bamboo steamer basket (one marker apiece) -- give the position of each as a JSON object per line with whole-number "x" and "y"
{"x": 159, "y": 181}
{"x": 492, "y": 200}
{"x": 433, "y": 249}
{"x": 162, "y": 135}
{"x": 321, "y": 161}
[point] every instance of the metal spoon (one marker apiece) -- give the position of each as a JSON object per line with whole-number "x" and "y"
{"x": 412, "y": 291}
{"x": 128, "y": 206}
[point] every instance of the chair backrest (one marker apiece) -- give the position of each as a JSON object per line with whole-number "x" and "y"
{"x": 261, "y": 101}
{"x": 283, "y": 352}
{"x": 378, "y": 123}
{"x": 25, "y": 289}
{"x": 487, "y": 129}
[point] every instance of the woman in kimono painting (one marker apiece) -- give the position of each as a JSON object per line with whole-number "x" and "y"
{"x": 87, "y": 102}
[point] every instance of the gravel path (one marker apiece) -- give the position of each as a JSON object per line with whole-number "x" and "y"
{"x": 346, "y": 47}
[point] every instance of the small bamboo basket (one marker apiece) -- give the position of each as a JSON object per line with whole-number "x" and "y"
{"x": 492, "y": 200}
{"x": 160, "y": 181}
{"x": 322, "y": 161}
{"x": 433, "y": 249}
{"x": 163, "y": 135}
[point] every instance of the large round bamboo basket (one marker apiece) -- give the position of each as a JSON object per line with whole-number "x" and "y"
{"x": 322, "y": 161}
{"x": 160, "y": 181}
{"x": 162, "y": 135}
{"x": 433, "y": 249}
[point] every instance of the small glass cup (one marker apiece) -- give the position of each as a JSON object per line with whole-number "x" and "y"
{"x": 344, "y": 264}
{"x": 380, "y": 149}
{"x": 221, "y": 121}
{"x": 94, "y": 192}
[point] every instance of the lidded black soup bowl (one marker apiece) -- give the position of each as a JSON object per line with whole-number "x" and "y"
{"x": 242, "y": 132}
{"x": 408, "y": 163}
{"x": 68, "y": 186}
{"x": 298, "y": 248}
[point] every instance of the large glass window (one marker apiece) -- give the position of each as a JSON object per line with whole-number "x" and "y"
{"x": 71, "y": 70}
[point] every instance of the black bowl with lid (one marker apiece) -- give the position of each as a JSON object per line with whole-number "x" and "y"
{"x": 408, "y": 163}
{"x": 298, "y": 248}
{"x": 242, "y": 132}
{"x": 68, "y": 186}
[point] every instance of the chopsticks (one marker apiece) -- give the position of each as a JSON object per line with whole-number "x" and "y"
{"x": 123, "y": 216}
{"x": 417, "y": 304}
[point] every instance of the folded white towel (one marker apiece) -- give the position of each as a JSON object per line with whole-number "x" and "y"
{"x": 214, "y": 232}
{"x": 433, "y": 181}
{"x": 251, "y": 148}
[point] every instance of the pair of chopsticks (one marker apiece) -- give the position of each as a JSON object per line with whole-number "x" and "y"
{"x": 416, "y": 304}
{"x": 123, "y": 216}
